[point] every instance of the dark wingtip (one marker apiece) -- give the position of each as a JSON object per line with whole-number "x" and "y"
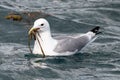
{"x": 95, "y": 30}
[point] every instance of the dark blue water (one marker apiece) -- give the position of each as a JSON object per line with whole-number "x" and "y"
{"x": 98, "y": 61}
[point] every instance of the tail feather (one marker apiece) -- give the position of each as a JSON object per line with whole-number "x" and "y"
{"x": 96, "y": 30}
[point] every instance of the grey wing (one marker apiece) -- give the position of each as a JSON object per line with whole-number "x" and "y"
{"x": 71, "y": 44}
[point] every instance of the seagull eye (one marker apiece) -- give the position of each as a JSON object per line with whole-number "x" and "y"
{"x": 42, "y": 24}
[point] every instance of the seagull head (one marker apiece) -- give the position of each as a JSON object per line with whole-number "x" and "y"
{"x": 40, "y": 25}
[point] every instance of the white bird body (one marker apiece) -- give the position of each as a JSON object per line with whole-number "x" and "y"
{"x": 54, "y": 47}
{"x": 47, "y": 44}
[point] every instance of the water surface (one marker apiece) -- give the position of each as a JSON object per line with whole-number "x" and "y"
{"x": 98, "y": 61}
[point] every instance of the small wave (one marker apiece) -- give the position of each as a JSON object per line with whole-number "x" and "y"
{"x": 13, "y": 48}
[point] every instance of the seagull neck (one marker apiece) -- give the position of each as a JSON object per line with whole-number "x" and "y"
{"x": 46, "y": 36}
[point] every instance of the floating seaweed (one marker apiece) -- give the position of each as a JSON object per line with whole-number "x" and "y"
{"x": 26, "y": 17}
{"x": 14, "y": 17}
{"x": 32, "y": 34}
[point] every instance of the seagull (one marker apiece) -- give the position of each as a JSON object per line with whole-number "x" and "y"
{"x": 46, "y": 45}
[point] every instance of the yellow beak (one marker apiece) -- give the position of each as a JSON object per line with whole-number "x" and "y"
{"x": 32, "y": 32}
